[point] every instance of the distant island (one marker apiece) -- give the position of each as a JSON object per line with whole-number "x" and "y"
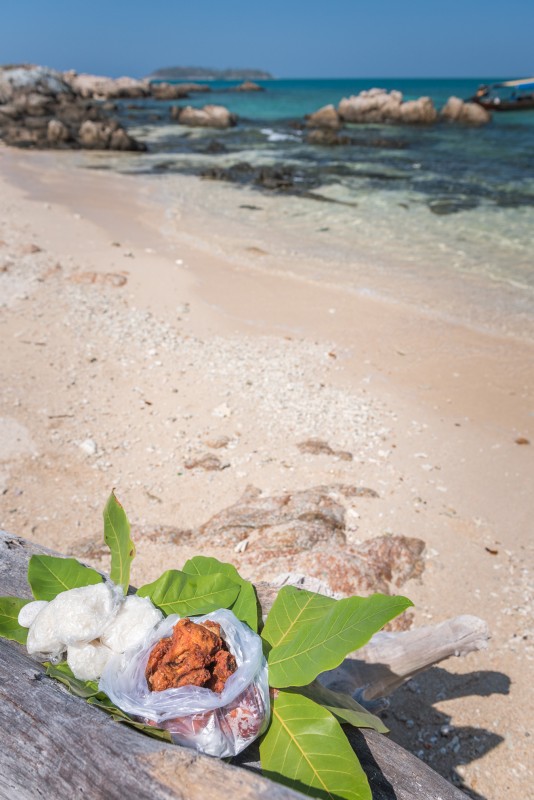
{"x": 209, "y": 74}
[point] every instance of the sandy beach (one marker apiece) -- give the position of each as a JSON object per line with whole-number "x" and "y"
{"x": 176, "y": 356}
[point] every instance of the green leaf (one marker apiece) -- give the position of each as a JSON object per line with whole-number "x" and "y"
{"x": 324, "y": 643}
{"x": 293, "y": 610}
{"x": 246, "y": 606}
{"x": 103, "y": 702}
{"x": 50, "y": 575}
{"x": 9, "y": 613}
{"x": 188, "y": 595}
{"x": 305, "y": 748}
{"x": 343, "y": 707}
{"x": 117, "y": 538}
{"x": 63, "y": 673}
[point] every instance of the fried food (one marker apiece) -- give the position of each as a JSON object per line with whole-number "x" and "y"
{"x": 195, "y": 655}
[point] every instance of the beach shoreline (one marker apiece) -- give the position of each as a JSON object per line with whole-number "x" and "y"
{"x": 140, "y": 331}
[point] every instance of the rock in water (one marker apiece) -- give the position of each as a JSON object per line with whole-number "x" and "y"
{"x": 378, "y": 105}
{"x": 207, "y": 117}
{"x": 249, "y": 86}
{"x": 325, "y": 117}
{"x": 456, "y": 110}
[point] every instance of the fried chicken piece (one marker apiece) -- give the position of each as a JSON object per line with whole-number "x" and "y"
{"x": 222, "y": 666}
{"x": 214, "y": 627}
{"x": 195, "y": 654}
{"x": 158, "y": 651}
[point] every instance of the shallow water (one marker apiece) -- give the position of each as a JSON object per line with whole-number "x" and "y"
{"x": 446, "y": 206}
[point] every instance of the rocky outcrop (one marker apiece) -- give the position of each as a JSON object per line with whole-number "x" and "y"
{"x": 325, "y": 117}
{"x": 40, "y": 108}
{"x": 175, "y": 91}
{"x": 207, "y": 117}
{"x": 100, "y": 87}
{"x": 418, "y": 112}
{"x": 249, "y": 86}
{"x": 456, "y": 110}
{"x": 379, "y": 105}
{"x": 305, "y": 532}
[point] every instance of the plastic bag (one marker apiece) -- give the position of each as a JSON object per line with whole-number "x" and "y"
{"x": 216, "y": 724}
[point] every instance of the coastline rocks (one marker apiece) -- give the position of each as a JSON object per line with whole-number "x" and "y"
{"x": 456, "y": 110}
{"x": 249, "y": 86}
{"x": 108, "y": 135}
{"x": 101, "y": 87}
{"x": 39, "y": 108}
{"x": 418, "y": 112}
{"x": 207, "y": 117}
{"x": 168, "y": 91}
{"x": 378, "y": 105}
{"x": 57, "y": 132}
{"x": 325, "y": 117}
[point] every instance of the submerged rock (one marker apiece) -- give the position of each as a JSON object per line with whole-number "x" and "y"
{"x": 456, "y": 110}
{"x": 327, "y": 137}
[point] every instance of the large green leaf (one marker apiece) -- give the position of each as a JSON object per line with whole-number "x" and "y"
{"x": 118, "y": 539}
{"x": 343, "y": 707}
{"x": 63, "y": 673}
{"x": 323, "y": 644}
{"x": 305, "y": 748}
{"x": 175, "y": 592}
{"x": 292, "y": 610}
{"x": 9, "y": 613}
{"x": 50, "y": 575}
{"x": 246, "y": 606}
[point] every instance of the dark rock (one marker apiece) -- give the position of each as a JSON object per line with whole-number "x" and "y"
{"x": 279, "y": 178}
{"x": 215, "y": 147}
{"x": 327, "y": 137}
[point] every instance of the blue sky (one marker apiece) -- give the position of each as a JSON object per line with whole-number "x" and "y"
{"x": 343, "y": 38}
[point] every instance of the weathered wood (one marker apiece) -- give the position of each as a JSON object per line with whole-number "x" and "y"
{"x": 390, "y": 659}
{"x": 53, "y": 744}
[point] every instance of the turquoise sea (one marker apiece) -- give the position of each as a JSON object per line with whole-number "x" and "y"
{"x": 445, "y": 204}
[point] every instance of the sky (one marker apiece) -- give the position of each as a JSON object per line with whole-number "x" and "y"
{"x": 342, "y": 38}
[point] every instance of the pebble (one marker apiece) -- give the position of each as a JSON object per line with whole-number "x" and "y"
{"x": 88, "y": 446}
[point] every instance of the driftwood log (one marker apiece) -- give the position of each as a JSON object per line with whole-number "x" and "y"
{"x": 53, "y": 744}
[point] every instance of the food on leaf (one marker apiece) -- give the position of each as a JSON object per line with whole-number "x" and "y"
{"x": 135, "y": 618}
{"x": 87, "y": 661}
{"x": 195, "y": 655}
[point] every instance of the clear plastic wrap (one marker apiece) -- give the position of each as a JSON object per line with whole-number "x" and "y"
{"x": 216, "y": 724}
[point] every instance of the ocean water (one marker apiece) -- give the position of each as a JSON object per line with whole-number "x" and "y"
{"x": 440, "y": 216}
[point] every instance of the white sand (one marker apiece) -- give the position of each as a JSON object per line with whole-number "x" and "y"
{"x": 109, "y": 382}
